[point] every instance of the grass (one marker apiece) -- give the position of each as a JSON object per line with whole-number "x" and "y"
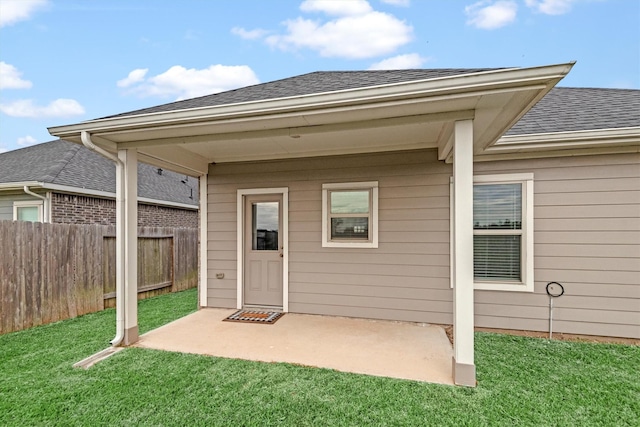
{"x": 522, "y": 381}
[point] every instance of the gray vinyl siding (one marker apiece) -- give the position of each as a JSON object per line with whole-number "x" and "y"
{"x": 405, "y": 278}
{"x": 586, "y": 235}
{"x": 6, "y": 203}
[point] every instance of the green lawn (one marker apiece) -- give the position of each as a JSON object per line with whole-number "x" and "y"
{"x": 522, "y": 381}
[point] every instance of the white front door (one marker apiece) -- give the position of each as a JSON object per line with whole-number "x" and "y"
{"x": 263, "y": 250}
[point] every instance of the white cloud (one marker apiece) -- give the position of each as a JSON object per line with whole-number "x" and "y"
{"x": 249, "y": 34}
{"x": 400, "y": 62}
{"x": 403, "y": 3}
{"x": 11, "y": 78}
{"x": 337, "y": 8}
{"x": 352, "y": 30}
{"x": 353, "y": 37}
{"x": 489, "y": 15}
{"x": 58, "y": 108}
{"x": 26, "y": 141}
{"x": 134, "y": 77}
{"x": 550, "y": 7}
{"x": 183, "y": 83}
{"x": 18, "y": 10}
{"x": 3, "y": 149}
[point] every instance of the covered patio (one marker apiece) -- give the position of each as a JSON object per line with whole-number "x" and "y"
{"x": 412, "y": 351}
{"x": 459, "y": 114}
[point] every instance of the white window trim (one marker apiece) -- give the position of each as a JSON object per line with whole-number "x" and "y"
{"x": 29, "y": 203}
{"x": 373, "y": 227}
{"x": 527, "y": 284}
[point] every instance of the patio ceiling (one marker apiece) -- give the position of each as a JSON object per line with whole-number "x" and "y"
{"x": 400, "y": 116}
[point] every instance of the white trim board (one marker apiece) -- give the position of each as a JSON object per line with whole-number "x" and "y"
{"x": 527, "y": 179}
{"x": 369, "y": 185}
{"x": 284, "y": 191}
{"x": 88, "y": 192}
{"x": 203, "y": 282}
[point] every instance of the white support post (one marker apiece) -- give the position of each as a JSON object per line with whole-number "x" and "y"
{"x": 127, "y": 235}
{"x": 202, "y": 283}
{"x": 464, "y": 372}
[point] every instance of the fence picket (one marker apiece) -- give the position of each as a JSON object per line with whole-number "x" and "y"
{"x": 51, "y": 272}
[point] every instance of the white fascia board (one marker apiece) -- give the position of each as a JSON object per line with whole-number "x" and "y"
{"x": 89, "y": 192}
{"x": 148, "y": 201}
{"x": 562, "y": 144}
{"x": 80, "y": 191}
{"x": 20, "y": 185}
{"x": 368, "y": 95}
{"x": 567, "y": 140}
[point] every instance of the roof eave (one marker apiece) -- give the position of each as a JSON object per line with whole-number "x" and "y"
{"x": 582, "y": 142}
{"x": 19, "y": 185}
{"x": 451, "y": 85}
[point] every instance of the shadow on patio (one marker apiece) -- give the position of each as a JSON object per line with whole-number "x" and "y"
{"x": 413, "y": 351}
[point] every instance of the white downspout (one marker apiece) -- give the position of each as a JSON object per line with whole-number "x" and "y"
{"x": 45, "y": 210}
{"x": 86, "y": 141}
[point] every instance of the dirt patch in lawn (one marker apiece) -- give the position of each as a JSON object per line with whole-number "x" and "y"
{"x": 556, "y": 336}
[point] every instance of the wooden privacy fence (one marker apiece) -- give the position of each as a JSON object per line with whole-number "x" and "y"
{"x": 51, "y": 272}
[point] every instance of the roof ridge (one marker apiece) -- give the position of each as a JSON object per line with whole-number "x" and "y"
{"x": 597, "y": 88}
{"x": 71, "y": 152}
{"x": 210, "y": 94}
{"x": 391, "y": 70}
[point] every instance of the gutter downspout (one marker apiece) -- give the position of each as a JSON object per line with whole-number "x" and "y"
{"x": 120, "y": 306}
{"x": 45, "y": 209}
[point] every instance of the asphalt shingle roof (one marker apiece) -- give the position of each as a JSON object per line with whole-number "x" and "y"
{"x": 65, "y": 163}
{"x": 562, "y": 109}
{"x": 566, "y": 109}
{"x": 306, "y": 84}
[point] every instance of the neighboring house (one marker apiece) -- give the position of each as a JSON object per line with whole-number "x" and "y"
{"x": 63, "y": 182}
{"x": 396, "y": 194}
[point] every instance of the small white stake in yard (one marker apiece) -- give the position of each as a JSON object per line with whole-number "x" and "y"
{"x": 554, "y": 290}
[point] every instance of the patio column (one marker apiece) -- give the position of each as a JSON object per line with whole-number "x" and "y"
{"x": 127, "y": 242}
{"x": 464, "y": 371}
{"x": 202, "y": 283}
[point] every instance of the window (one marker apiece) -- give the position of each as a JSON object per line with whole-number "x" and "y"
{"x": 350, "y": 215}
{"x": 503, "y": 232}
{"x": 27, "y": 211}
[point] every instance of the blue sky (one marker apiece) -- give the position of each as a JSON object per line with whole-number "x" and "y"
{"x": 65, "y": 61}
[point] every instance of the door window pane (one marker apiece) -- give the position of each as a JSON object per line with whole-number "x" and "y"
{"x": 28, "y": 213}
{"x": 350, "y": 202}
{"x": 265, "y": 225}
{"x": 350, "y": 228}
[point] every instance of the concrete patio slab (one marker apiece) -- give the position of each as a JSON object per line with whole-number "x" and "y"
{"x": 412, "y": 351}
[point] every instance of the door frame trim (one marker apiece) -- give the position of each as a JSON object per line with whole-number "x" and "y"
{"x": 284, "y": 191}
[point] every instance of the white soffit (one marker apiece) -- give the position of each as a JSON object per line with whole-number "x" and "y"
{"x": 406, "y": 115}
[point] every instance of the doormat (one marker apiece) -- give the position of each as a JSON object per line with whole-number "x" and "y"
{"x": 249, "y": 316}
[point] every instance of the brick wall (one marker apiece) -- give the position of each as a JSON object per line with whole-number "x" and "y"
{"x": 73, "y": 209}
{"x": 163, "y": 216}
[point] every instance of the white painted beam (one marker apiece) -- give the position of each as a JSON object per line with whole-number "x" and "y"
{"x": 204, "y": 243}
{"x": 127, "y": 223}
{"x": 463, "y": 324}
{"x": 176, "y": 159}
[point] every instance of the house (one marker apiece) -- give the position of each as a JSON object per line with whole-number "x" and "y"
{"x": 63, "y": 182}
{"x": 450, "y": 196}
